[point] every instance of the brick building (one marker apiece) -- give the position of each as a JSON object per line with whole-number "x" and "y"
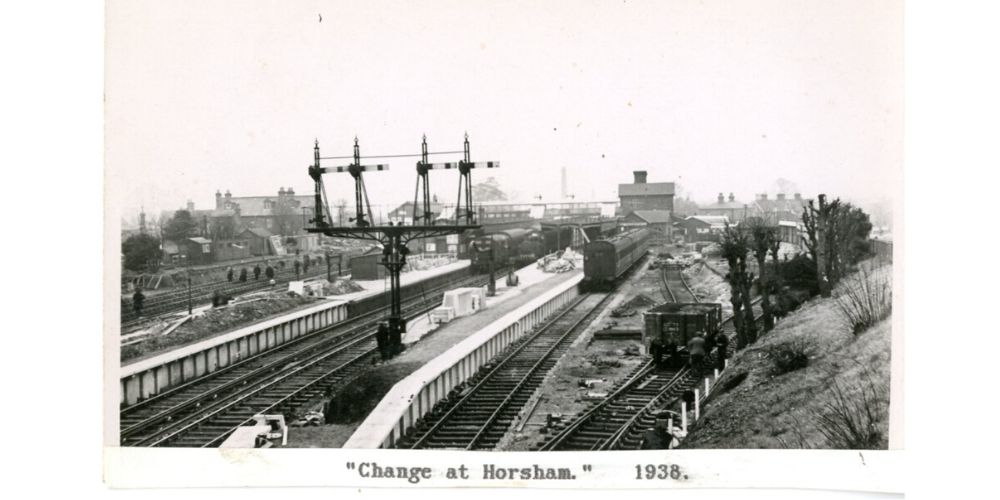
{"x": 642, "y": 195}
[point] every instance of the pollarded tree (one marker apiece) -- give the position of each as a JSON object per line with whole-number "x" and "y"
{"x": 762, "y": 236}
{"x": 735, "y": 246}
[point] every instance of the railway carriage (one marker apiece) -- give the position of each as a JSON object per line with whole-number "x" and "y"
{"x": 605, "y": 261}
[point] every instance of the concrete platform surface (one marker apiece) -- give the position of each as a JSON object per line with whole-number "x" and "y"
{"x": 425, "y": 345}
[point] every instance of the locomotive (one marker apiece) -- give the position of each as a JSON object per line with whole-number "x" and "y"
{"x": 517, "y": 246}
{"x": 605, "y": 261}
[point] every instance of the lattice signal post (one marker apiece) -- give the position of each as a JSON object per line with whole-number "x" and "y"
{"x": 392, "y": 237}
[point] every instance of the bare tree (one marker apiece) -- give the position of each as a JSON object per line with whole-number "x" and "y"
{"x": 762, "y": 236}
{"x": 735, "y": 247}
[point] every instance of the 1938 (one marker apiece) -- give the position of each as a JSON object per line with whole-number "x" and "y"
{"x": 658, "y": 471}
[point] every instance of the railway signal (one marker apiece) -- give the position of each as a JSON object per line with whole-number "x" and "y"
{"x": 392, "y": 237}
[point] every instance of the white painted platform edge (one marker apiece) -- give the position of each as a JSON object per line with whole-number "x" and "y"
{"x": 384, "y": 418}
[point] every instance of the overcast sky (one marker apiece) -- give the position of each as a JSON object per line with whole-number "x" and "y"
{"x": 715, "y": 95}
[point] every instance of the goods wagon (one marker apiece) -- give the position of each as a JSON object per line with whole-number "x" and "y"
{"x": 673, "y": 324}
{"x": 605, "y": 261}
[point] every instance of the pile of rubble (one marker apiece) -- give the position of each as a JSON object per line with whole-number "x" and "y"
{"x": 421, "y": 264}
{"x": 632, "y": 306}
{"x": 340, "y": 287}
{"x": 560, "y": 263}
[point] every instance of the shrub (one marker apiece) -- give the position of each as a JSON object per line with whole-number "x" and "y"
{"x": 799, "y": 272}
{"x": 790, "y": 356}
{"x": 865, "y": 298}
{"x": 852, "y": 423}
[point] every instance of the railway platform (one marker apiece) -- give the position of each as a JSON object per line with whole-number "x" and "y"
{"x": 155, "y": 373}
{"x": 452, "y": 353}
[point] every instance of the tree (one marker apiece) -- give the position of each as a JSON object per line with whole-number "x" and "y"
{"x": 286, "y": 218}
{"x": 488, "y": 191}
{"x": 735, "y": 247}
{"x": 180, "y": 226}
{"x": 762, "y": 238}
{"x": 142, "y": 253}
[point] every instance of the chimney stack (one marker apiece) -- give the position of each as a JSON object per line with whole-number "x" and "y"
{"x": 731, "y": 198}
{"x": 290, "y": 192}
{"x": 798, "y": 196}
{"x": 281, "y": 192}
{"x": 190, "y": 206}
{"x": 640, "y": 176}
{"x": 218, "y": 199}
{"x": 722, "y": 199}
{"x": 781, "y": 196}
{"x": 763, "y": 196}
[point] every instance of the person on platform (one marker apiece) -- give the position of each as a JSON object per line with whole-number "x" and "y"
{"x": 269, "y": 272}
{"x": 256, "y": 272}
{"x": 243, "y": 275}
{"x": 229, "y": 274}
{"x": 305, "y": 264}
{"x": 138, "y": 299}
{"x": 298, "y": 268}
{"x": 382, "y": 339}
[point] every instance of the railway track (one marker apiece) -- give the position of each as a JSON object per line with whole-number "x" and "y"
{"x": 619, "y": 421}
{"x": 485, "y": 410}
{"x": 204, "y": 411}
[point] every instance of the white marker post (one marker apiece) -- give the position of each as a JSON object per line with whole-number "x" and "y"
{"x": 716, "y": 374}
{"x": 726, "y": 363}
{"x": 696, "y": 404}
{"x": 684, "y": 416}
{"x": 707, "y": 386}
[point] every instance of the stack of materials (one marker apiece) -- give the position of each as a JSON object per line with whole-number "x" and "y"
{"x": 457, "y": 303}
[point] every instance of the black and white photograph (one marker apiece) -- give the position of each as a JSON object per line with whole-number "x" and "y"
{"x": 508, "y": 227}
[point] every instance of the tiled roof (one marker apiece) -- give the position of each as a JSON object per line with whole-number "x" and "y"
{"x": 255, "y": 206}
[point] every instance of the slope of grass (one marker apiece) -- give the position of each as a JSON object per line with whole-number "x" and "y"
{"x": 833, "y": 394}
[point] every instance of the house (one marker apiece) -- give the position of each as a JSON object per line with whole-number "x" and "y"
{"x": 258, "y": 240}
{"x": 285, "y": 214}
{"x": 703, "y": 227}
{"x": 658, "y": 220}
{"x": 731, "y": 209}
{"x": 780, "y": 208}
{"x": 642, "y": 195}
